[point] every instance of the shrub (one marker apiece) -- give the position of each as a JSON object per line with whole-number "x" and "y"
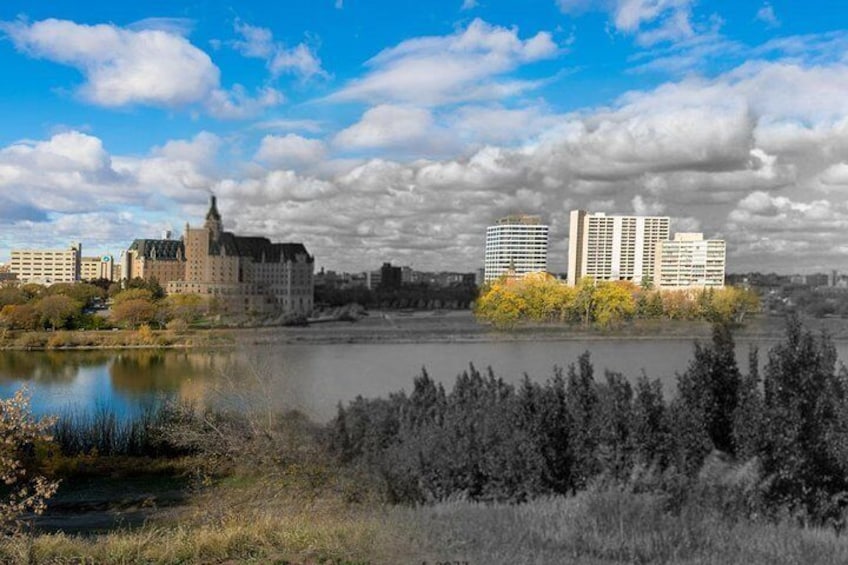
{"x": 20, "y": 435}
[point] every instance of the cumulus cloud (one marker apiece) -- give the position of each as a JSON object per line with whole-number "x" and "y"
{"x": 465, "y": 65}
{"x": 121, "y": 66}
{"x": 258, "y": 42}
{"x": 387, "y": 125}
{"x": 151, "y": 63}
{"x": 290, "y": 150}
{"x": 641, "y": 207}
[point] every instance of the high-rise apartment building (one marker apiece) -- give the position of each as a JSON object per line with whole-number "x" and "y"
{"x": 614, "y": 248}
{"x": 690, "y": 261}
{"x": 516, "y": 245}
{"x": 47, "y": 266}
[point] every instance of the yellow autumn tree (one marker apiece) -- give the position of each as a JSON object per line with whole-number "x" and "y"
{"x": 614, "y": 303}
{"x": 732, "y": 304}
{"x": 501, "y": 304}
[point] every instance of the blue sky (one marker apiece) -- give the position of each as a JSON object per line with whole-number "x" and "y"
{"x": 386, "y": 131}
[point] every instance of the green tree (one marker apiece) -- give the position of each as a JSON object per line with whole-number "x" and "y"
{"x": 57, "y": 310}
{"x": 132, "y": 294}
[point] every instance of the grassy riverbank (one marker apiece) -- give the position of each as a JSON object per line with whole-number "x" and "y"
{"x": 399, "y": 327}
{"x": 113, "y": 339}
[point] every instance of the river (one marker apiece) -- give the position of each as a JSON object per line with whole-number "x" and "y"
{"x": 315, "y": 377}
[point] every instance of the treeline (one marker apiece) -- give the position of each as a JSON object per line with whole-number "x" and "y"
{"x": 539, "y": 297}
{"x": 66, "y": 306}
{"x": 489, "y": 440}
{"x": 416, "y": 296}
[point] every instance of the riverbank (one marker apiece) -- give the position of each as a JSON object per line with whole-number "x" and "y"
{"x": 399, "y": 327}
{"x": 463, "y": 327}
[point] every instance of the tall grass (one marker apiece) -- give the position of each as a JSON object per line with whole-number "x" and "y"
{"x": 105, "y": 432}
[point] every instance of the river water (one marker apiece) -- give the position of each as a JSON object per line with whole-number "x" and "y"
{"x": 314, "y": 378}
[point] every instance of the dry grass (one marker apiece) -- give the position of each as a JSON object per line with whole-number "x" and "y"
{"x": 262, "y": 520}
{"x": 595, "y": 528}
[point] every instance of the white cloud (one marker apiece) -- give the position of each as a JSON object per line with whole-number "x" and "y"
{"x": 238, "y": 104}
{"x": 258, "y": 42}
{"x": 121, "y": 66}
{"x": 766, "y": 15}
{"x": 644, "y": 208}
{"x": 468, "y": 5}
{"x": 650, "y": 21}
{"x": 386, "y": 125}
{"x": 464, "y": 65}
{"x": 496, "y": 124}
{"x": 311, "y": 126}
{"x": 290, "y": 150}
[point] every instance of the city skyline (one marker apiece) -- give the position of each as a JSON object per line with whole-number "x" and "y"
{"x": 388, "y": 132}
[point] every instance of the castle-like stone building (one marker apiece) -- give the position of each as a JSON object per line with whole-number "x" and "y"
{"x": 242, "y": 274}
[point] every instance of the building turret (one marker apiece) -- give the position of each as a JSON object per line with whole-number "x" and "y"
{"x": 213, "y": 219}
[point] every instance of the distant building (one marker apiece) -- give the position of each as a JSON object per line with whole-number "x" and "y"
{"x": 613, "y": 248}
{"x": 47, "y": 266}
{"x": 817, "y": 280}
{"x": 95, "y": 268}
{"x": 516, "y": 245}
{"x": 373, "y": 279}
{"x": 243, "y": 274}
{"x": 690, "y": 261}
{"x": 390, "y": 277}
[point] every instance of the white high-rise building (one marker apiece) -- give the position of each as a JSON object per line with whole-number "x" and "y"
{"x": 614, "y": 248}
{"x": 690, "y": 261}
{"x": 516, "y": 245}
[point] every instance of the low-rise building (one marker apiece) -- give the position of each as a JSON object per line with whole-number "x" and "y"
{"x": 97, "y": 268}
{"x": 47, "y": 266}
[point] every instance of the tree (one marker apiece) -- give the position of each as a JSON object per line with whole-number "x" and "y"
{"x": 501, "y": 305}
{"x": 650, "y": 432}
{"x": 133, "y": 312}
{"x": 186, "y": 307}
{"x": 584, "y": 300}
{"x": 805, "y": 402}
{"x": 582, "y": 400}
{"x": 709, "y": 389}
{"x": 132, "y": 294}
{"x": 57, "y": 310}
{"x": 613, "y": 303}
{"x": 20, "y": 433}
{"x": 19, "y": 316}
{"x": 80, "y": 292}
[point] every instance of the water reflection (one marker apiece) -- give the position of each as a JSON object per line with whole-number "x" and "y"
{"x": 315, "y": 378}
